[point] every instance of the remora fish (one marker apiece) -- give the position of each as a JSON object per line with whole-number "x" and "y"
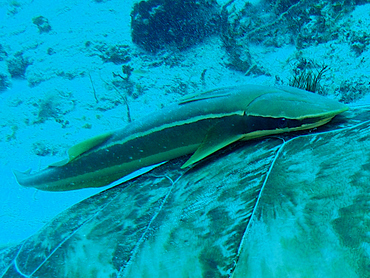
{"x": 201, "y": 125}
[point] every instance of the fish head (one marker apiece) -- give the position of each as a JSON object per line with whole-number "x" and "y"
{"x": 289, "y": 109}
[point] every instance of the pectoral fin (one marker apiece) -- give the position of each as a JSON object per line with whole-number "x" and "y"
{"x": 218, "y": 137}
{"x": 83, "y": 147}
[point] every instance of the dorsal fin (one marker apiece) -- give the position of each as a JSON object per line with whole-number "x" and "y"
{"x": 83, "y": 147}
{"x": 87, "y": 145}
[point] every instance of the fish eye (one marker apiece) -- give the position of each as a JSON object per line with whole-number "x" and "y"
{"x": 282, "y": 123}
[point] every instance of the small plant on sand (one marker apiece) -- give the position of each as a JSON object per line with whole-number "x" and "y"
{"x": 307, "y": 76}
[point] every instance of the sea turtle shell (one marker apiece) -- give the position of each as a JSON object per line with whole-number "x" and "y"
{"x": 275, "y": 207}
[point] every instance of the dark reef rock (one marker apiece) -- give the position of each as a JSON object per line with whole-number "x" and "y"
{"x": 17, "y": 66}
{"x": 179, "y": 23}
{"x": 42, "y": 23}
{"x": 3, "y": 53}
{"x": 118, "y": 54}
{"x": 353, "y": 90}
{"x": 4, "y": 82}
{"x": 280, "y": 22}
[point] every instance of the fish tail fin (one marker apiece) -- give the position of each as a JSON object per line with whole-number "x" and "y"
{"x": 21, "y": 177}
